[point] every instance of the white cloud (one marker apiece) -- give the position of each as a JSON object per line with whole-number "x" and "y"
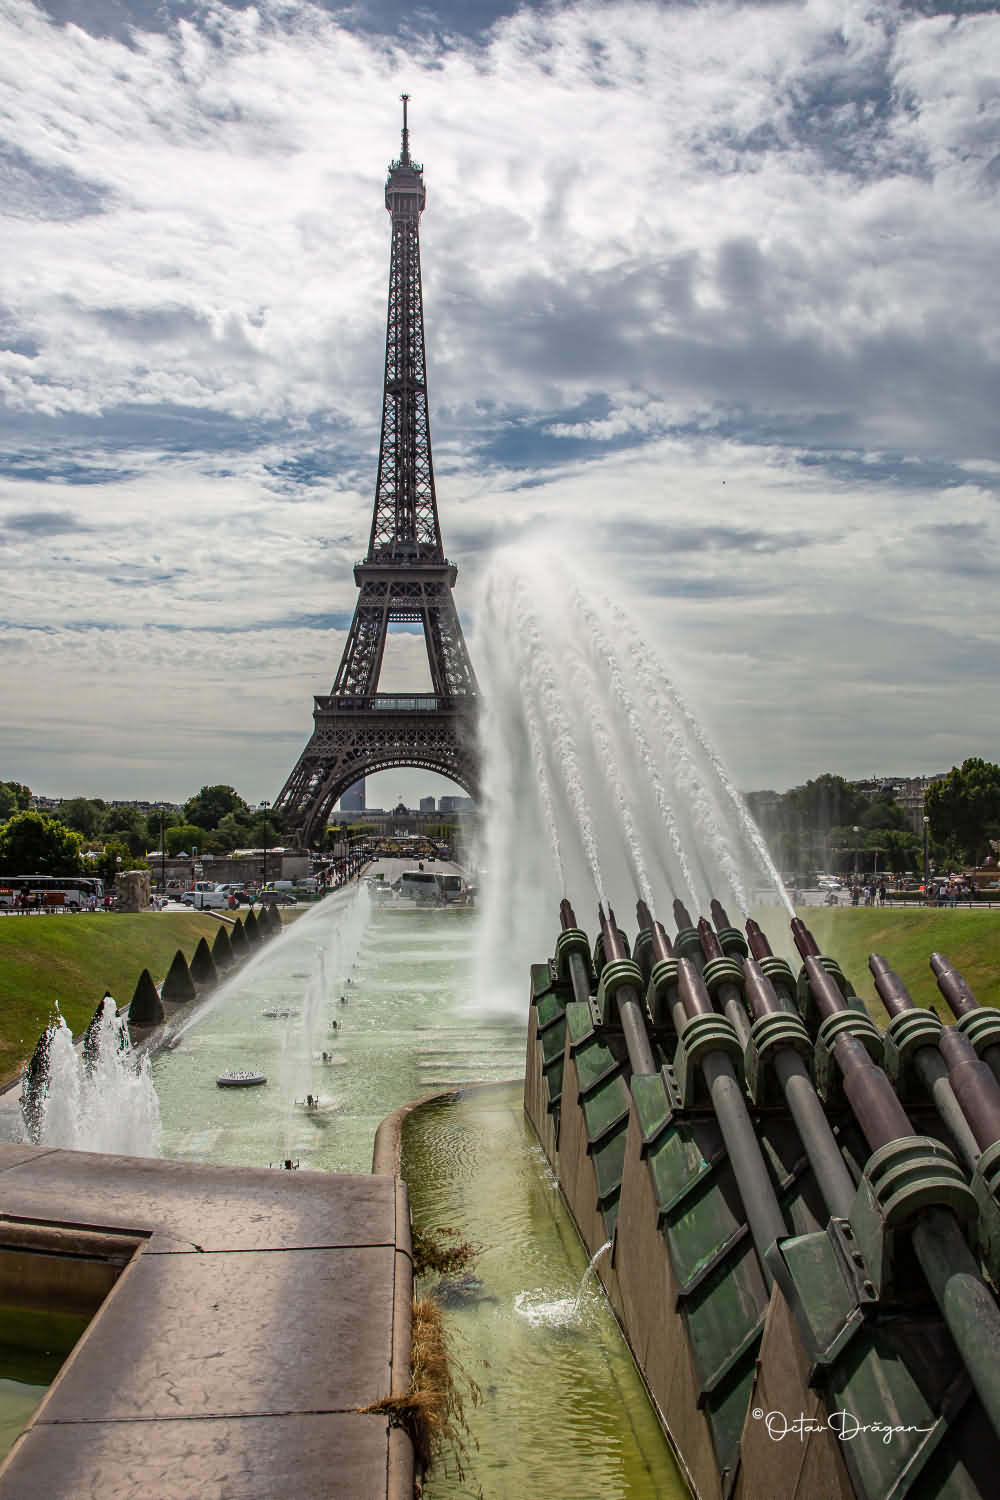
{"x": 711, "y": 288}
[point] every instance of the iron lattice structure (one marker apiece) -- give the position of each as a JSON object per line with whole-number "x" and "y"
{"x": 405, "y": 578}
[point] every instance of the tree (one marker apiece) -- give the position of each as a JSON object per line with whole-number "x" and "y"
{"x": 127, "y": 825}
{"x": 85, "y": 814}
{"x": 33, "y": 844}
{"x": 116, "y": 857}
{"x": 965, "y": 805}
{"x": 13, "y": 798}
{"x": 186, "y": 836}
{"x": 211, "y": 805}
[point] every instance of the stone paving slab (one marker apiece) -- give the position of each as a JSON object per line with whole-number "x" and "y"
{"x": 306, "y": 1330}
{"x": 300, "y": 1457}
{"x": 228, "y": 1362}
{"x": 213, "y": 1208}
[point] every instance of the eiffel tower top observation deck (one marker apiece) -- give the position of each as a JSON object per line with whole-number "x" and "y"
{"x": 404, "y": 578}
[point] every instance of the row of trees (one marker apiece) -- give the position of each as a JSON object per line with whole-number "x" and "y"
{"x": 215, "y": 821}
{"x": 813, "y": 826}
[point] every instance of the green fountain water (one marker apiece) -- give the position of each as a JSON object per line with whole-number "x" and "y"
{"x": 563, "y": 1410}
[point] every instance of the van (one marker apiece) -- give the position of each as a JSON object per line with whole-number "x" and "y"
{"x": 419, "y": 885}
{"x": 451, "y": 888}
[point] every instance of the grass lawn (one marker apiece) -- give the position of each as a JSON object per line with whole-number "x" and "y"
{"x": 905, "y": 937}
{"x": 71, "y": 961}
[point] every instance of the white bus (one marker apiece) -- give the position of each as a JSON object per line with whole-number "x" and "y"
{"x": 50, "y": 892}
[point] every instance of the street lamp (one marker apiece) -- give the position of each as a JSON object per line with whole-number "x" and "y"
{"x": 163, "y": 856}
{"x": 927, "y": 866}
{"x": 857, "y": 831}
{"x": 263, "y": 878}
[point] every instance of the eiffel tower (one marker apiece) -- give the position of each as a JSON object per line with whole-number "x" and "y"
{"x": 405, "y": 577}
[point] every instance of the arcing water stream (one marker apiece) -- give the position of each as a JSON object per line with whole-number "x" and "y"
{"x": 590, "y": 748}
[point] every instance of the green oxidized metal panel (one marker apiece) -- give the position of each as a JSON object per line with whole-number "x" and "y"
{"x": 554, "y": 1082}
{"x": 651, "y": 1107}
{"x": 541, "y": 981}
{"x": 549, "y": 1010}
{"x": 552, "y": 1042}
{"x": 609, "y": 1161}
{"x": 580, "y": 1020}
{"x": 605, "y": 1107}
{"x": 594, "y": 1063}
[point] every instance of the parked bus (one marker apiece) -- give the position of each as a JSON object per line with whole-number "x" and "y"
{"x": 50, "y": 892}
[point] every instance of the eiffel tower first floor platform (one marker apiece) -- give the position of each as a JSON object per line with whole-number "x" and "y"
{"x": 357, "y": 736}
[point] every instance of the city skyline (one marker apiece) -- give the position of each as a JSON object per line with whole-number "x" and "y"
{"x": 710, "y": 300}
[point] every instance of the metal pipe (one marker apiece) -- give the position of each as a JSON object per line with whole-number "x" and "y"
{"x": 968, "y": 1306}
{"x": 631, "y": 1010}
{"x": 967, "y": 1303}
{"x": 931, "y": 1067}
{"x": 815, "y": 1131}
{"x": 729, "y": 995}
{"x": 962, "y": 1001}
{"x": 760, "y": 1202}
{"x": 578, "y": 973}
{"x": 761, "y": 948}
{"x": 976, "y": 1089}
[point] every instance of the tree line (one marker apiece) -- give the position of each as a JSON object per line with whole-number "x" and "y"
{"x": 812, "y": 827}
{"x": 215, "y": 821}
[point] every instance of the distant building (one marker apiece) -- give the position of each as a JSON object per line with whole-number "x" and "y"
{"x": 353, "y": 799}
{"x": 456, "y": 804}
{"x": 428, "y": 804}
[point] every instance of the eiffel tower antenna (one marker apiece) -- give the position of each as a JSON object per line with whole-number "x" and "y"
{"x": 404, "y": 578}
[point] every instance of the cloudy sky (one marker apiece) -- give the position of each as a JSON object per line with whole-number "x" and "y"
{"x": 711, "y": 292}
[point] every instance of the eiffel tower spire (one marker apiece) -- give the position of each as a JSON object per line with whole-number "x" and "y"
{"x": 405, "y": 576}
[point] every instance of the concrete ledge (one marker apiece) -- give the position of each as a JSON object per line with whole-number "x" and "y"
{"x": 256, "y": 1313}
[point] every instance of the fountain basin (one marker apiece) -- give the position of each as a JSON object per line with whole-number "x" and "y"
{"x": 240, "y": 1079}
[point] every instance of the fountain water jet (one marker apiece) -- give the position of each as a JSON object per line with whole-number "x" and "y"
{"x": 95, "y": 1097}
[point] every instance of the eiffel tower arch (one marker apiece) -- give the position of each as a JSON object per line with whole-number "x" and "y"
{"x": 404, "y": 578}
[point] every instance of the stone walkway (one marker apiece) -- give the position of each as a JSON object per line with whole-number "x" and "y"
{"x": 256, "y": 1314}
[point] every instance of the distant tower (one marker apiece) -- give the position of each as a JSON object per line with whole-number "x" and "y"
{"x": 353, "y": 800}
{"x": 404, "y": 577}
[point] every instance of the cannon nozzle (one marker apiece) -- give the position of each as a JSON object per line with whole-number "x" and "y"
{"x": 643, "y": 915}
{"x": 567, "y": 916}
{"x": 892, "y": 991}
{"x": 952, "y": 986}
{"x": 710, "y": 945}
{"x": 719, "y": 916}
{"x": 614, "y": 946}
{"x": 804, "y": 940}
{"x": 760, "y": 992}
{"x": 681, "y": 914}
{"x": 759, "y": 945}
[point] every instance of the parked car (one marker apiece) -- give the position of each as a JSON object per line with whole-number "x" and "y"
{"x": 277, "y": 898}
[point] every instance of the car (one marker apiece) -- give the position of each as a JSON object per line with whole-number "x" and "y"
{"x": 277, "y": 898}
{"x": 828, "y": 883}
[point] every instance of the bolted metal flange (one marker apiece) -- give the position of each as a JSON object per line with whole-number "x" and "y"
{"x": 701, "y": 1035}
{"x": 662, "y": 978}
{"x": 907, "y": 1033}
{"x": 571, "y": 940}
{"x": 687, "y": 943}
{"x": 982, "y": 1027}
{"x": 720, "y": 971}
{"x": 619, "y": 972}
{"x": 732, "y": 942}
{"x": 768, "y": 1035}
{"x": 827, "y": 1074}
{"x": 808, "y": 1009}
{"x": 642, "y": 950}
{"x": 777, "y": 971}
{"x": 899, "y": 1183}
